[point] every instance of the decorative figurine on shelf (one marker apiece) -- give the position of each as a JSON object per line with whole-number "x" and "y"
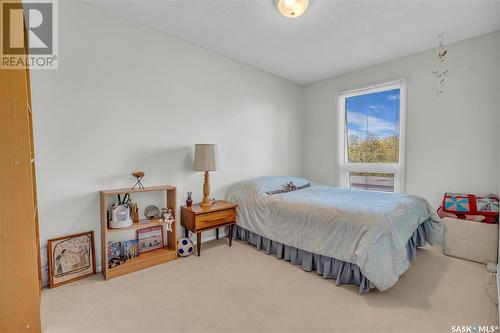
{"x": 168, "y": 214}
{"x": 138, "y": 175}
{"x": 189, "y": 200}
{"x": 152, "y": 212}
{"x": 134, "y": 211}
{"x": 184, "y": 247}
{"x": 167, "y": 217}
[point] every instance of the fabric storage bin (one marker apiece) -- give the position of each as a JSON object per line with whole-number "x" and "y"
{"x": 470, "y": 240}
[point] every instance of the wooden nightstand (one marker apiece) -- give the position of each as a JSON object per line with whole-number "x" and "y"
{"x": 198, "y": 219}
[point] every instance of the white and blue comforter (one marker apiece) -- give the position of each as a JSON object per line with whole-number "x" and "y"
{"x": 369, "y": 229}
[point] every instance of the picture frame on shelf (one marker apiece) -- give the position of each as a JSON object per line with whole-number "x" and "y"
{"x": 131, "y": 248}
{"x": 150, "y": 239}
{"x": 115, "y": 254}
{"x": 71, "y": 258}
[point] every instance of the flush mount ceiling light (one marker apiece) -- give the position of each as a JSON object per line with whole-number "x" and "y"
{"x": 292, "y": 8}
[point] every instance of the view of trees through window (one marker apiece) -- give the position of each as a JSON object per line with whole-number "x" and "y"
{"x": 373, "y": 127}
{"x": 373, "y": 149}
{"x": 372, "y": 124}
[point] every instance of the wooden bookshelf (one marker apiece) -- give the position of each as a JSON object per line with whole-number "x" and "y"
{"x": 147, "y": 259}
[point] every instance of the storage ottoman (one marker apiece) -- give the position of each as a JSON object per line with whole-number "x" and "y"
{"x": 470, "y": 240}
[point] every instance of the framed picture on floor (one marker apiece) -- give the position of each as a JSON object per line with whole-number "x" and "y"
{"x": 150, "y": 238}
{"x": 71, "y": 258}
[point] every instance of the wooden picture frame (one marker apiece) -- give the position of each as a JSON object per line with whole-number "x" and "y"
{"x": 150, "y": 239}
{"x": 71, "y": 258}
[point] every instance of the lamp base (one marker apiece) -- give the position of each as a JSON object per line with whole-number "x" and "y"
{"x": 205, "y": 203}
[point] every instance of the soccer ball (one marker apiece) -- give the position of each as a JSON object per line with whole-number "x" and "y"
{"x": 184, "y": 247}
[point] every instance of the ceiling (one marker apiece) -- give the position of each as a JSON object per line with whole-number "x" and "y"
{"x": 332, "y": 37}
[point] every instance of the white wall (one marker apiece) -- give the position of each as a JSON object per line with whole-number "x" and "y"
{"x": 127, "y": 97}
{"x": 452, "y": 140}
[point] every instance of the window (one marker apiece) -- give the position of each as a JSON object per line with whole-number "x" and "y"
{"x": 372, "y": 138}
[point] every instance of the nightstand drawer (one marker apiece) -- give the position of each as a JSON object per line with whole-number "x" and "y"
{"x": 209, "y": 220}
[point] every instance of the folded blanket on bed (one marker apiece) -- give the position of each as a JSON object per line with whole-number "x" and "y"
{"x": 366, "y": 228}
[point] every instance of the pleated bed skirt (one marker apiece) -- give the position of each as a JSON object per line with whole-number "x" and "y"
{"x": 330, "y": 268}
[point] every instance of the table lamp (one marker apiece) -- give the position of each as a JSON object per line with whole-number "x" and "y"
{"x": 206, "y": 158}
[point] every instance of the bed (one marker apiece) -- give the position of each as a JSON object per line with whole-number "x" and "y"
{"x": 358, "y": 237}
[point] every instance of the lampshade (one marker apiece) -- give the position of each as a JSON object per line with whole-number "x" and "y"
{"x": 206, "y": 157}
{"x": 292, "y": 8}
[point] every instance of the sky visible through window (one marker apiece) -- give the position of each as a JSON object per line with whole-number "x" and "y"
{"x": 375, "y": 113}
{"x": 372, "y": 122}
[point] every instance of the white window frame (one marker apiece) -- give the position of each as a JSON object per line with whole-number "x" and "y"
{"x": 344, "y": 167}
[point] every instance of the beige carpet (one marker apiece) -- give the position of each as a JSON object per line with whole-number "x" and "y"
{"x": 230, "y": 289}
